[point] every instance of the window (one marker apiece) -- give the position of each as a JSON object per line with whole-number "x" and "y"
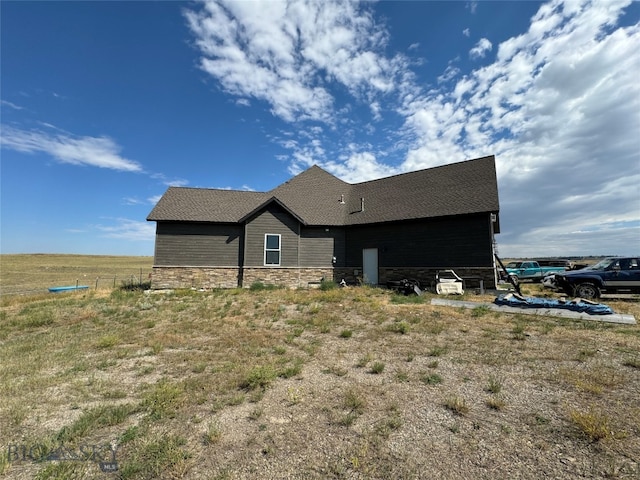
{"x": 272, "y": 249}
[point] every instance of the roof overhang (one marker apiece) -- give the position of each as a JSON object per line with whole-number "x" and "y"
{"x": 266, "y": 203}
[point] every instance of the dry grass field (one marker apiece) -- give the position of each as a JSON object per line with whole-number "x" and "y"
{"x": 311, "y": 384}
{"x": 34, "y": 273}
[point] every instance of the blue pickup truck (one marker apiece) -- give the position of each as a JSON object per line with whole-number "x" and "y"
{"x": 531, "y": 270}
{"x": 615, "y": 275}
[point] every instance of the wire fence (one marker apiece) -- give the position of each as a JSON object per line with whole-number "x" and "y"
{"x": 30, "y": 283}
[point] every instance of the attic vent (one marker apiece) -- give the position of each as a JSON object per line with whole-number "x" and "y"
{"x": 341, "y": 199}
{"x": 362, "y": 204}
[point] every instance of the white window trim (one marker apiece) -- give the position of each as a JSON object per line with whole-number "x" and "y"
{"x": 279, "y": 250}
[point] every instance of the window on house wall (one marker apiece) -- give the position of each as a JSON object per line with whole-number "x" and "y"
{"x": 272, "y": 249}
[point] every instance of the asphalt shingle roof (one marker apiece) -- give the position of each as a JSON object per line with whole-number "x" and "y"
{"x": 314, "y": 196}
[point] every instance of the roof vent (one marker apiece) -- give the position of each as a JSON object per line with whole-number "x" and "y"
{"x": 341, "y": 199}
{"x": 362, "y": 204}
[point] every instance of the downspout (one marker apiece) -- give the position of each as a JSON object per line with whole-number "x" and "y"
{"x": 243, "y": 258}
{"x": 493, "y": 216}
{"x": 299, "y": 273}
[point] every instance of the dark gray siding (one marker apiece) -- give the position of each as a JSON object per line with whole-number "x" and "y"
{"x": 460, "y": 241}
{"x": 318, "y": 246}
{"x": 198, "y": 244}
{"x": 273, "y": 219}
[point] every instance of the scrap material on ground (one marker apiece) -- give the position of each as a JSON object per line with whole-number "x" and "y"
{"x": 575, "y": 305}
{"x": 549, "y": 312}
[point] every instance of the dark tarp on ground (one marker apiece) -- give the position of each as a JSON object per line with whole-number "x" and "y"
{"x": 576, "y": 305}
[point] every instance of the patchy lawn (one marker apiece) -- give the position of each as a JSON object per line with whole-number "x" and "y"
{"x": 336, "y": 383}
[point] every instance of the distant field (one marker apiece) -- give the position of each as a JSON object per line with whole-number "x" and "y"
{"x": 33, "y": 273}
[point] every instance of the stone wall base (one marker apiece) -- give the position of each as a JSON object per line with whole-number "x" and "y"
{"x": 288, "y": 277}
{"x": 231, "y": 277}
{"x": 425, "y": 275}
{"x": 195, "y": 277}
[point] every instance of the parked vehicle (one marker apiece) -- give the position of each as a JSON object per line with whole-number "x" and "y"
{"x": 531, "y": 270}
{"x": 619, "y": 275}
{"x": 555, "y": 262}
{"x": 549, "y": 281}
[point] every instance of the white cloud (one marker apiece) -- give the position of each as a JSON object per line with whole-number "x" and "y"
{"x": 375, "y": 110}
{"x": 359, "y": 167}
{"x": 169, "y": 182}
{"x": 449, "y": 73}
{"x": 10, "y": 104}
{"x": 244, "y": 188}
{"x": 288, "y": 53}
{"x": 91, "y": 151}
{"x": 137, "y": 201}
{"x": 129, "y": 230}
{"x": 177, "y": 182}
{"x": 466, "y": 32}
{"x": 480, "y": 50}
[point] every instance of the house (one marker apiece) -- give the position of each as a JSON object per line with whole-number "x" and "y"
{"x": 316, "y": 226}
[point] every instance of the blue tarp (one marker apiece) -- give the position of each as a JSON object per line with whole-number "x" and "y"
{"x": 577, "y": 305}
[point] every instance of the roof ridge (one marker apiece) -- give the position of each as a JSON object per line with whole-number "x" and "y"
{"x": 172, "y": 187}
{"x": 316, "y": 197}
{"x": 431, "y": 169}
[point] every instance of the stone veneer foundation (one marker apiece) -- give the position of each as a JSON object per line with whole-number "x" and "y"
{"x": 194, "y": 277}
{"x": 232, "y": 277}
{"x": 425, "y": 275}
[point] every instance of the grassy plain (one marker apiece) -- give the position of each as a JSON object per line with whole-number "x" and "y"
{"x": 334, "y": 383}
{"x": 33, "y": 273}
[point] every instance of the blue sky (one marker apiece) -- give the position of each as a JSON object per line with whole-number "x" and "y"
{"x": 106, "y": 104}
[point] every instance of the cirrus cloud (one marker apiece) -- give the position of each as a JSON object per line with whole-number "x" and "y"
{"x": 100, "y": 152}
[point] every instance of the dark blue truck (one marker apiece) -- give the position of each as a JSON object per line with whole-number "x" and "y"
{"x": 614, "y": 275}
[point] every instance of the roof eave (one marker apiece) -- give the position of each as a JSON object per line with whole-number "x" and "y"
{"x": 267, "y": 202}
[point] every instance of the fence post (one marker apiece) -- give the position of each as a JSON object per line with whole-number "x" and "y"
{"x": 97, "y": 278}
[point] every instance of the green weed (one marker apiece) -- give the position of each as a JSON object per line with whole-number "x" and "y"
{"x": 377, "y": 367}
{"x": 108, "y": 341}
{"x": 494, "y": 385}
{"x": 259, "y": 377}
{"x": 594, "y": 424}
{"x": 431, "y": 378}
{"x": 102, "y": 416}
{"x": 480, "y": 311}
{"x": 212, "y": 435}
{"x": 160, "y": 456}
{"x": 438, "y": 351}
{"x": 401, "y": 327}
{"x": 496, "y": 403}
{"x": 456, "y": 405}
{"x": 163, "y": 399}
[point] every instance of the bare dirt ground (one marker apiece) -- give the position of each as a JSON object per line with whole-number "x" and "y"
{"x": 348, "y": 383}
